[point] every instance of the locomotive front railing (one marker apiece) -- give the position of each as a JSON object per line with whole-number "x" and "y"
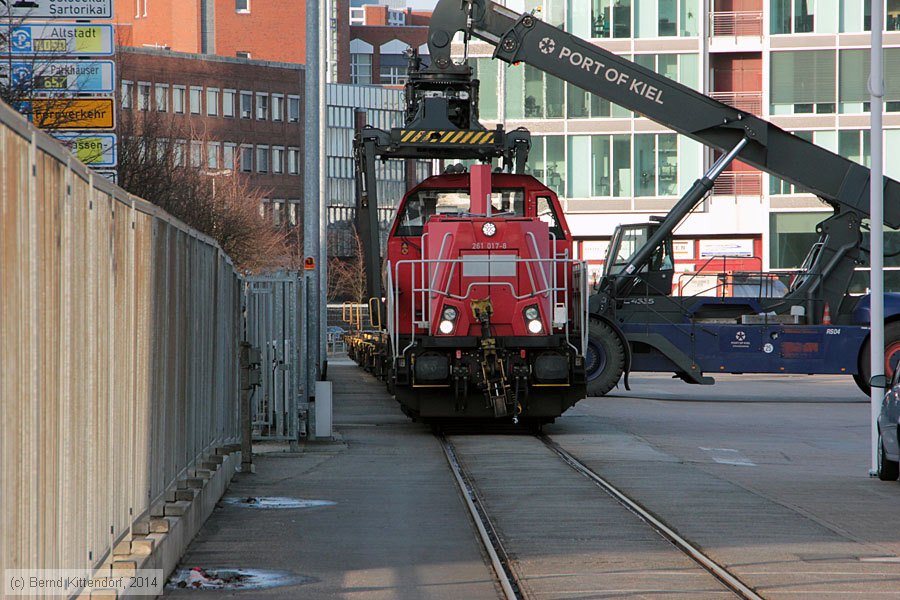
{"x": 427, "y": 277}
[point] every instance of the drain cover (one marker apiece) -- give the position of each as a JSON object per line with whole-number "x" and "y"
{"x": 274, "y": 502}
{"x": 234, "y": 579}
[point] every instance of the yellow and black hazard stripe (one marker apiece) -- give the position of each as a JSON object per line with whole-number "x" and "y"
{"x": 464, "y": 137}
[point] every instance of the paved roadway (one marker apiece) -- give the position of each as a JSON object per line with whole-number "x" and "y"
{"x": 767, "y": 475}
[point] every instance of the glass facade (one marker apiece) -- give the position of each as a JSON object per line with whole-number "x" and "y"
{"x": 611, "y": 165}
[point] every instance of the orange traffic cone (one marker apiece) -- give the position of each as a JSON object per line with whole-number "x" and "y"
{"x": 826, "y": 315}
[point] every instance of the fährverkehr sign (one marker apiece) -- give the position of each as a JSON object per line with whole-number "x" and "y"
{"x": 56, "y": 9}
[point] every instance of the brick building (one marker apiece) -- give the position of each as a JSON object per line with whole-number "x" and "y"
{"x": 366, "y": 42}
{"x": 272, "y": 31}
{"x": 229, "y": 114}
{"x": 378, "y": 38}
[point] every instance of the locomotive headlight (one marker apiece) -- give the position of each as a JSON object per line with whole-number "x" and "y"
{"x": 450, "y": 313}
{"x": 533, "y": 319}
{"x": 446, "y": 327}
{"x": 489, "y": 229}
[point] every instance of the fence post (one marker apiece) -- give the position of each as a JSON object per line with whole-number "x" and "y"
{"x": 250, "y": 380}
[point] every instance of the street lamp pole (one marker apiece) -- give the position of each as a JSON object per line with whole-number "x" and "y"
{"x": 311, "y": 196}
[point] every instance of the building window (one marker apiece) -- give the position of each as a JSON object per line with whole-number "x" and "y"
{"x": 803, "y": 81}
{"x": 293, "y": 212}
{"x": 262, "y": 159}
{"x": 293, "y": 157}
{"x": 277, "y": 206}
{"x": 655, "y": 160}
{"x": 792, "y": 16}
{"x": 547, "y": 161}
{"x": 392, "y": 73}
{"x": 262, "y": 106}
{"x": 791, "y": 236}
{"x": 196, "y": 154}
{"x": 277, "y": 107}
{"x": 247, "y": 159}
{"x": 361, "y": 69}
{"x": 278, "y": 159}
{"x": 143, "y": 96}
{"x": 242, "y": 6}
{"x": 127, "y": 94}
{"x": 212, "y": 102}
{"x": 228, "y": 151}
{"x": 246, "y": 105}
{"x": 611, "y": 18}
{"x": 196, "y": 100}
{"x": 243, "y": 54}
{"x": 178, "y": 99}
{"x": 212, "y": 155}
{"x": 599, "y": 166}
{"x": 228, "y": 99}
{"x": 178, "y": 158}
{"x": 293, "y": 109}
{"x": 162, "y": 97}
{"x": 853, "y": 76}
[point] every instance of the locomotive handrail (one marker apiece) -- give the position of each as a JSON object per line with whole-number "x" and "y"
{"x": 440, "y": 255}
{"x": 428, "y": 290}
{"x": 537, "y": 252}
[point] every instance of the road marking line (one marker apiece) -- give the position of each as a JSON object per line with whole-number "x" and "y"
{"x": 729, "y": 456}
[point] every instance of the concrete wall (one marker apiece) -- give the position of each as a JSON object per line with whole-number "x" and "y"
{"x": 118, "y": 357}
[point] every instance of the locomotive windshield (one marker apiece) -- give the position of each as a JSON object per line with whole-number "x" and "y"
{"x": 424, "y": 203}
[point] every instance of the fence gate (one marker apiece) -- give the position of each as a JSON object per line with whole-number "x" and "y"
{"x": 272, "y": 310}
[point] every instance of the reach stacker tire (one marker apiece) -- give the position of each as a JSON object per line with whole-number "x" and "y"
{"x": 605, "y": 359}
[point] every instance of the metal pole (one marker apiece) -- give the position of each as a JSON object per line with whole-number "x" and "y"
{"x": 324, "y": 71}
{"x": 311, "y": 196}
{"x": 876, "y": 292}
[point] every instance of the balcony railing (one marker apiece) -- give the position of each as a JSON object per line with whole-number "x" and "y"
{"x": 750, "y": 102}
{"x": 735, "y": 183}
{"x": 736, "y": 23}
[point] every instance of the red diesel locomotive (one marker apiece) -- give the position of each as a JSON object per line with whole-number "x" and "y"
{"x": 485, "y": 306}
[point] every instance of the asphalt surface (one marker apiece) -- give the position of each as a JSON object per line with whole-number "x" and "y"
{"x": 768, "y": 475}
{"x": 398, "y": 528}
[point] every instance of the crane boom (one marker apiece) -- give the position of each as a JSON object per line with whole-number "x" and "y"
{"x": 841, "y": 183}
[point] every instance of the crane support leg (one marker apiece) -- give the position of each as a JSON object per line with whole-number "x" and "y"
{"x": 367, "y": 214}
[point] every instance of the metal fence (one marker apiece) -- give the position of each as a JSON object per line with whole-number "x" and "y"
{"x": 272, "y": 311}
{"x": 119, "y": 331}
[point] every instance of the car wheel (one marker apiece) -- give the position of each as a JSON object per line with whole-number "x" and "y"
{"x": 605, "y": 360}
{"x": 888, "y": 470}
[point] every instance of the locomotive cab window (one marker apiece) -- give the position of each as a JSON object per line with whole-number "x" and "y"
{"x": 547, "y": 214}
{"x": 423, "y": 204}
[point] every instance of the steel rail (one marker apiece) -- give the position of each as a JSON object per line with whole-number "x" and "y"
{"x": 714, "y": 568}
{"x": 486, "y": 531}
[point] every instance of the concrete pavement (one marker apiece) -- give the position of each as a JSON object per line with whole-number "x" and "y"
{"x": 398, "y": 529}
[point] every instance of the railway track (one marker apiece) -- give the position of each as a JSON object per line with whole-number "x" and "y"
{"x": 501, "y": 557}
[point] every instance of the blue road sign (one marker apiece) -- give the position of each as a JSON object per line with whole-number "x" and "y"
{"x": 69, "y": 39}
{"x": 93, "y": 149}
{"x": 65, "y": 76}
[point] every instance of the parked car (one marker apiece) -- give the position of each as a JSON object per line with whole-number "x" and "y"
{"x": 888, "y": 446}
